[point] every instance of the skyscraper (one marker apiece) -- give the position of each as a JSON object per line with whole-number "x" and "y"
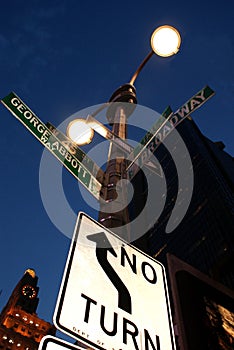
{"x": 20, "y": 327}
{"x": 205, "y": 236}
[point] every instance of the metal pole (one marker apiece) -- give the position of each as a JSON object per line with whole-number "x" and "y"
{"x": 143, "y": 63}
{"x": 121, "y": 106}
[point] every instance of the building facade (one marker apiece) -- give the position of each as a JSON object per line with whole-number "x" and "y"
{"x": 205, "y": 236}
{"x": 20, "y": 327}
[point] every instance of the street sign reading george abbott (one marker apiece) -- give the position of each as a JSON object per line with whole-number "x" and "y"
{"x": 53, "y": 343}
{"x": 113, "y": 296}
{"x": 59, "y": 149}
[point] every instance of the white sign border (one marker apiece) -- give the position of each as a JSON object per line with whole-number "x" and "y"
{"x": 65, "y": 278}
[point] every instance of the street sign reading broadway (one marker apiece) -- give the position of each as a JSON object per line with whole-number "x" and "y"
{"x": 113, "y": 296}
{"x": 153, "y": 138}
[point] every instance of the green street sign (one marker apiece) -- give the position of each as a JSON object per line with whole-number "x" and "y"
{"x": 24, "y": 114}
{"x": 148, "y": 145}
{"x": 192, "y": 104}
{"x": 134, "y": 156}
{"x": 148, "y": 136}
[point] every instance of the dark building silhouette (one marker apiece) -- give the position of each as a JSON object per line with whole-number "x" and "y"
{"x": 203, "y": 309}
{"x": 205, "y": 236}
{"x": 20, "y": 327}
{"x": 198, "y": 253}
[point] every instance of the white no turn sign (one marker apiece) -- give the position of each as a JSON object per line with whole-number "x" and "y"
{"x": 113, "y": 296}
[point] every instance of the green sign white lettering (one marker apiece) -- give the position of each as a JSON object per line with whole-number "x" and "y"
{"x": 134, "y": 156}
{"x": 148, "y": 145}
{"x": 60, "y": 150}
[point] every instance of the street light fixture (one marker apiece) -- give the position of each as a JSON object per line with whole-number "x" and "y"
{"x": 80, "y": 132}
{"x": 165, "y": 42}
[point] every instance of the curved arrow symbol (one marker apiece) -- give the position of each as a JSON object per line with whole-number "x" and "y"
{"x": 102, "y": 247}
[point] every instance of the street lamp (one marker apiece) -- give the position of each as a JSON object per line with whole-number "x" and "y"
{"x": 165, "y": 41}
{"x": 79, "y": 132}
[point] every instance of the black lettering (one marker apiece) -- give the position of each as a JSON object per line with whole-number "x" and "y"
{"x": 103, "y": 246}
{"x": 148, "y": 339}
{"x": 114, "y": 330}
{"x": 87, "y": 309}
{"x": 133, "y": 333}
{"x": 132, "y": 263}
{"x": 153, "y": 279}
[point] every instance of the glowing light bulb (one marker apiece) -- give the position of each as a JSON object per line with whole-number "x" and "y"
{"x": 165, "y": 41}
{"x": 79, "y": 132}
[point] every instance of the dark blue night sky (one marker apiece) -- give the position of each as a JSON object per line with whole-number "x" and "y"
{"x": 60, "y": 57}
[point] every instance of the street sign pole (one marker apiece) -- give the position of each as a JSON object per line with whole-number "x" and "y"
{"x": 153, "y": 165}
{"x": 134, "y": 312}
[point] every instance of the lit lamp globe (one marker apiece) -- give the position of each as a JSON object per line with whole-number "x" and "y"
{"x": 79, "y": 132}
{"x": 165, "y": 41}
